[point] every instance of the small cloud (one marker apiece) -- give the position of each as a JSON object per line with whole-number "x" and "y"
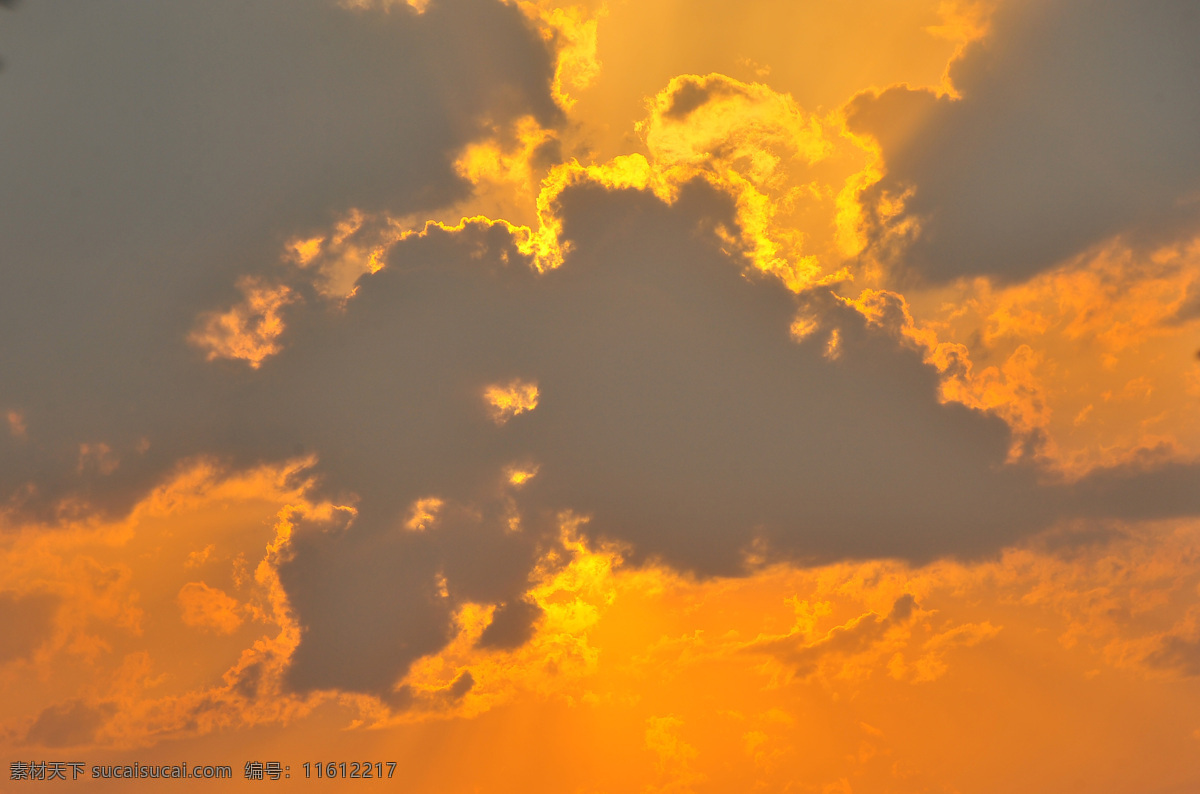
{"x": 932, "y": 664}
{"x": 25, "y": 622}
{"x": 871, "y": 729}
{"x": 865, "y": 635}
{"x": 418, "y": 6}
{"x": 248, "y": 331}
{"x": 98, "y": 457}
{"x": 508, "y": 400}
{"x": 803, "y": 327}
{"x": 760, "y": 70}
{"x": 424, "y": 514}
{"x": 518, "y": 475}
{"x": 16, "y": 424}
{"x": 1176, "y": 652}
{"x": 833, "y": 348}
{"x": 207, "y": 607}
{"x": 462, "y": 685}
{"x": 512, "y": 625}
{"x": 68, "y": 725}
{"x": 662, "y": 736}
{"x": 197, "y": 558}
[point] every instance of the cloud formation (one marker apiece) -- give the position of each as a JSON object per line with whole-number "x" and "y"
{"x": 675, "y": 411}
{"x": 646, "y": 366}
{"x": 154, "y": 155}
{"x": 1073, "y": 123}
{"x": 25, "y": 622}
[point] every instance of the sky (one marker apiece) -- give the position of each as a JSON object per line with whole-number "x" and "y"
{"x": 659, "y": 396}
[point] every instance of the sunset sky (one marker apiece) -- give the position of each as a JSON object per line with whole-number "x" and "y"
{"x": 664, "y": 396}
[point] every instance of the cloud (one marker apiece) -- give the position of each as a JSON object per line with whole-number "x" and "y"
{"x": 675, "y": 412}
{"x": 864, "y": 635}
{"x": 155, "y": 155}
{"x": 673, "y": 755}
{"x": 652, "y": 390}
{"x": 208, "y": 607}
{"x": 512, "y": 625}
{"x": 1176, "y": 653}
{"x": 1073, "y": 124}
{"x": 25, "y": 622}
{"x": 68, "y": 724}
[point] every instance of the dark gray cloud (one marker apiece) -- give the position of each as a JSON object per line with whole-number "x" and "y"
{"x": 512, "y": 625}
{"x": 1176, "y": 653}
{"x": 1077, "y": 122}
{"x": 70, "y": 724}
{"x": 856, "y": 636}
{"x": 153, "y": 152}
{"x": 675, "y": 412}
{"x": 375, "y": 597}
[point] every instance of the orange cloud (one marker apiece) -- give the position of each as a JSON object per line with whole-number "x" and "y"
{"x": 1069, "y": 362}
{"x": 509, "y": 400}
{"x": 16, "y": 424}
{"x": 207, "y": 607}
{"x": 249, "y": 331}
